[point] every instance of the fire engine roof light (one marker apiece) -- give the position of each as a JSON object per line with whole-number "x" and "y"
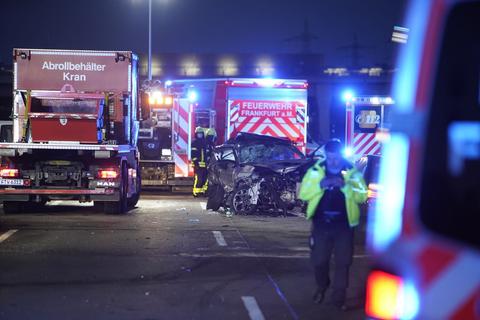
{"x": 348, "y": 95}
{"x": 192, "y": 96}
{"x": 168, "y": 100}
{"x": 389, "y": 100}
{"x": 266, "y": 82}
{"x": 375, "y": 100}
{"x": 155, "y": 97}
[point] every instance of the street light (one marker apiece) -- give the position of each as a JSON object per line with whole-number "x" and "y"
{"x": 149, "y": 40}
{"x": 149, "y": 66}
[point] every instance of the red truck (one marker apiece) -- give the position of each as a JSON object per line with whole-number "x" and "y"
{"x": 75, "y": 130}
{"x": 273, "y": 107}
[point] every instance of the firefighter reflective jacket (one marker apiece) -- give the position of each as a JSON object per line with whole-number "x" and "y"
{"x": 355, "y": 191}
{"x": 199, "y": 152}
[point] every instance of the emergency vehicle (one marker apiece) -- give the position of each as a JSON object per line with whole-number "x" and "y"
{"x": 75, "y": 130}
{"x": 423, "y": 233}
{"x": 365, "y": 126}
{"x": 364, "y": 122}
{"x": 274, "y": 107}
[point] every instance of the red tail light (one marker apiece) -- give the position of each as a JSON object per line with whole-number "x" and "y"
{"x": 107, "y": 174}
{"x": 382, "y": 295}
{"x": 8, "y": 173}
{"x": 391, "y": 297}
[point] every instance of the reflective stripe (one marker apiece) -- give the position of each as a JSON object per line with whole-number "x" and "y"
{"x": 457, "y": 283}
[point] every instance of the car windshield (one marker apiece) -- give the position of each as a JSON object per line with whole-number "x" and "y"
{"x": 268, "y": 153}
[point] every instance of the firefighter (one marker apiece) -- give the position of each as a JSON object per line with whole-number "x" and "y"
{"x": 211, "y": 137}
{"x": 199, "y": 160}
{"x": 333, "y": 189}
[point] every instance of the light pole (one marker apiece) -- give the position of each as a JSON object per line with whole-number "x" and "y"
{"x": 149, "y": 40}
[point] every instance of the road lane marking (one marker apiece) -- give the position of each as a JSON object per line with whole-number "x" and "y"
{"x": 203, "y": 205}
{"x": 253, "y": 309}
{"x": 220, "y": 239}
{"x": 7, "y": 235}
{"x": 270, "y": 278}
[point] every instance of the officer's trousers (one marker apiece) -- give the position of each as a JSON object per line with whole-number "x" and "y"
{"x": 328, "y": 238}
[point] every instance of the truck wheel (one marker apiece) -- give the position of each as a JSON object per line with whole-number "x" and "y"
{"x": 132, "y": 202}
{"x": 120, "y": 206}
{"x": 12, "y": 207}
{"x": 241, "y": 201}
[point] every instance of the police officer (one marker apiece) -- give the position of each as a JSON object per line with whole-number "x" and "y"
{"x": 333, "y": 189}
{"x": 199, "y": 158}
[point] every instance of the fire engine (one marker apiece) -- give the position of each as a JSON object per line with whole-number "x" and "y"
{"x": 274, "y": 107}
{"x": 423, "y": 232}
{"x": 365, "y": 127}
{"x": 75, "y": 130}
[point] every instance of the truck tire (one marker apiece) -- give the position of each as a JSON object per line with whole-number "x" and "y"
{"x": 12, "y": 207}
{"x": 132, "y": 202}
{"x": 240, "y": 201}
{"x": 120, "y": 206}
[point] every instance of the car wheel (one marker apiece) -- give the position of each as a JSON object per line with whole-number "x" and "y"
{"x": 241, "y": 201}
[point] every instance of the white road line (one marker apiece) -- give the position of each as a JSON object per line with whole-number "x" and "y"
{"x": 7, "y": 235}
{"x": 219, "y": 237}
{"x": 203, "y": 205}
{"x": 252, "y": 307}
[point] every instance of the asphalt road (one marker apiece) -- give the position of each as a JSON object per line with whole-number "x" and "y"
{"x": 167, "y": 259}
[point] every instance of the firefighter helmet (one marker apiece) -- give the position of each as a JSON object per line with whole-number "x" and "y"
{"x": 211, "y": 132}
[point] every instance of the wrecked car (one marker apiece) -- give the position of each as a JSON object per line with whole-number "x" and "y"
{"x": 254, "y": 173}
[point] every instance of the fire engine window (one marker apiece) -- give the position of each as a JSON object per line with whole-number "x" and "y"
{"x": 450, "y": 188}
{"x": 64, "y": 106}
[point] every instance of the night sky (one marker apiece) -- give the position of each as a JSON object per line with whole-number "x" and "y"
{"x": 202, "y": 26}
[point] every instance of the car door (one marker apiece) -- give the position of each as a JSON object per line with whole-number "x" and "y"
{"x": 222, "y": 167}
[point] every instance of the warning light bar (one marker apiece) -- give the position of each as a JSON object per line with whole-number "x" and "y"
{"x": 374, "y": 101}
{"x": 158, "y": 99}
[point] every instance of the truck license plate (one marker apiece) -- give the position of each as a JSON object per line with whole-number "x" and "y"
{"x": 11, "y": 182}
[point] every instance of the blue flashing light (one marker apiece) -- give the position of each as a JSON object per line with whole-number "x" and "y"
{"x": 348, "y": 95}
{"x": 192, "y": 96}
{"x": 348, "y": 152}
{"x": 385, "y": 222}
{"x": 168, "y": 83}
